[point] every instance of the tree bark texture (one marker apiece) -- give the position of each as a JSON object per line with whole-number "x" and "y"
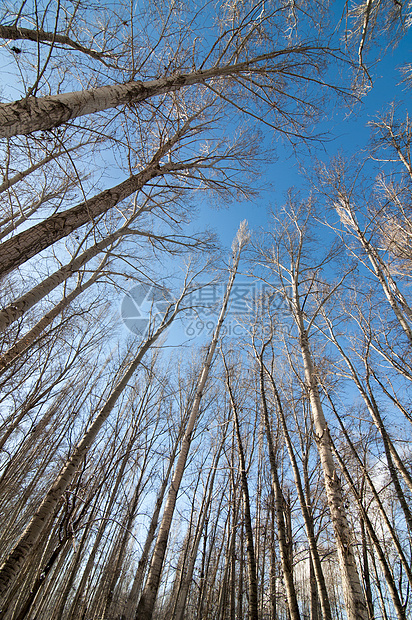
{"x": 43, "y": 113}
{"x": 20, "y": 248}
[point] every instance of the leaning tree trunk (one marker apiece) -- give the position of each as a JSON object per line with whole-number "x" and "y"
{"x": 11, "y": 566}
{"x": 352, "y": 590}
{"x": 20, "y": 248}
{"x": 375, "y": 492}
{"x": 391, "y": 291}
{"x": 392, "y": 456}
{"x": 148, "y": 598}
{"x": 20, "y": 306}
{"x": 43, "y": 113}
{"x": 22, "y": 345}
{"x": 9, "y": 182}
{"x": 76, "y": 609}
{"x": 316, "y": 565}
{"x": 382, "y": 555}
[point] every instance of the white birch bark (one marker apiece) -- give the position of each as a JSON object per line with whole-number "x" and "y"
{"x": 25, "y": 544}
{"x": 33, "y": 114}
{"x": 148, "y": 598}
{"x": 20, "y": 248}
{"x": 352, "y": 590}
{"x": 397, "y": 301}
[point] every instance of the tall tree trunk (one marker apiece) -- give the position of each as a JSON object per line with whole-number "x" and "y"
{"x": 20, "y": 248}
{"x": 250, "y": 548}
{"x": 366, "y": 572}
{"x": 400, "y": 612}
{"x": 15, "y": 559}
{"x": 132, "y": 601}
{"x": 273, "y": 560}
{"x": 397, "y": 301}
{"x": 353, "y": 594}
{"x": 76, "y": 610}
{"x": 307, "y": 516}
{"x": 189, "y": 568}
{"x": 397, "y": 544}
{"x": 287, "y": 569}
{"x": 148, "y": 598}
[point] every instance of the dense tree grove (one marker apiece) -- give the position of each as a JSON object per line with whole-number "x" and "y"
{"x": 262, "y": 472}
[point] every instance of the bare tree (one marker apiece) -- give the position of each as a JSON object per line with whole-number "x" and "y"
{"x": 32, "y": 532}
{"x": 288, "y": 259}
{"x": 250, "y": 547}
{"x": 148, "y": 597}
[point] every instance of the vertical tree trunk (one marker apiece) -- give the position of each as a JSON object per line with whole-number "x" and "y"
{"x": 287, "y": 569}
{"x": 250, "y": 550}
{"x": 148, "y": 598}
{"x": 314, "y": 598}
{"x": 132, "y": 601}
{"x": 366, "y": 572}
{"x": 188, "y": 574}
{"x": 307, "y": 516}
{"x": 273, "y": 561}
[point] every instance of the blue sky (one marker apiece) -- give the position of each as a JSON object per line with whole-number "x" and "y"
{"x": 349, "y": 135}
